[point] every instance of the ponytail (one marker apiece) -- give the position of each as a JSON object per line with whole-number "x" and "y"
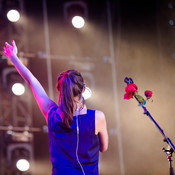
{"x": 70, "y": 84}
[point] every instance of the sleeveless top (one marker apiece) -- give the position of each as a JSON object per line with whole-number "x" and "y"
{"x": 63, "y": 144}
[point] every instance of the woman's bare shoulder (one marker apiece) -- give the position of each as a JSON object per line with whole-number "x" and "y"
{"x": 99, "y": 116}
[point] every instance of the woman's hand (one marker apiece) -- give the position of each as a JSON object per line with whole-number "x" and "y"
{"x": 10, "y": 50}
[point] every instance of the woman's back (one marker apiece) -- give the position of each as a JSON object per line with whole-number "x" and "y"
{"x": 64, "y": 142}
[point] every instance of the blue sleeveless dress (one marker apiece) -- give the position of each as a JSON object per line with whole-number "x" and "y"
{"x": 63, "y": 144}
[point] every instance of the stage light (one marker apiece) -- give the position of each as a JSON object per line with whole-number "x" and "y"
{"x": 170, "y": 5}
{"x": 13, "y": 15}
{"x": 87, "y": 93}
{"x": 19, "y": 156}
{"x": 171, "y": 22}
{"x": 78, "y": 21}
{"x": 76, "y": 12}
{"x": 23, "y": 165}
{"x": 12, "y": 81}
{"x": 18, "y": 89}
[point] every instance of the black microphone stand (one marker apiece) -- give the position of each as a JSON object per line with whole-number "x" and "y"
{"x": 169, "y": 151}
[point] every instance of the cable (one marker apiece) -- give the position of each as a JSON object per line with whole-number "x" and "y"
{"x": 78, "y": 132}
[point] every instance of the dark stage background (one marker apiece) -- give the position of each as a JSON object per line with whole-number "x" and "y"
{"x": 120, "y": 38}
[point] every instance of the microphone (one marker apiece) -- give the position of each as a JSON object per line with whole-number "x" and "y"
{"x": 128, "y": 80}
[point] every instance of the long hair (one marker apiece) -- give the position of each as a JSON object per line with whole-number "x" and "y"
{"x": 69, "y": 84}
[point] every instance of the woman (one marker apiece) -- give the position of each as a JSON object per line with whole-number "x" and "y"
{"x": 76, "y": 134}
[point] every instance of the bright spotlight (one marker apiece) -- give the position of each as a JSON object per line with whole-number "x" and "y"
{"x": 87, "y": 93}
{"x": 18, "y": 89}
{"x": 78, "y": 22}
{"x": 13, "y": 15}
{"x": 23, "y": 165}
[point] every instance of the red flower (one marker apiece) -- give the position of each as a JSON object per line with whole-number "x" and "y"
{"x": 130, "y": 90}
{"x": 148, "y": 94}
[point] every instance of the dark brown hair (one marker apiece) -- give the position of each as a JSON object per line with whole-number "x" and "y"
{"x": 69, "y": 84}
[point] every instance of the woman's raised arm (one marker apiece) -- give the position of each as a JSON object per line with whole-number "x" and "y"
{"x": 44, "y": 102}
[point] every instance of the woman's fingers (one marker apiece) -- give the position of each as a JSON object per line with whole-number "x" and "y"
{"x": 5, "y": 49}
{"x": 13, "y": 43}
{"x": 7, "y": 44}
{"x": 10, "y": 50}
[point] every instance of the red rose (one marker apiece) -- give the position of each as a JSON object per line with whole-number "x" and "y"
{"x": 130, "y": 90}
{"x": 148, "y": 94}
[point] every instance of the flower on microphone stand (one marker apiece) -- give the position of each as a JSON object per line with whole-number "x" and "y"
{"x": 132, "y": 91}
{"x": 148, "y": 94}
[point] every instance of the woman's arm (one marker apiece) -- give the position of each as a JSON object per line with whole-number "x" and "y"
{"x": 44, "y": 102}
{"x": 101, "y": 130}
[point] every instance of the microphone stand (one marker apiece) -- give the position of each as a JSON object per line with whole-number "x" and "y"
{"x": 169, "y": 151}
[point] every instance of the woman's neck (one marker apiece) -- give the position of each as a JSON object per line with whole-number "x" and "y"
{"x": 80, "y": 112}
{"x": 79, "y": 106}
